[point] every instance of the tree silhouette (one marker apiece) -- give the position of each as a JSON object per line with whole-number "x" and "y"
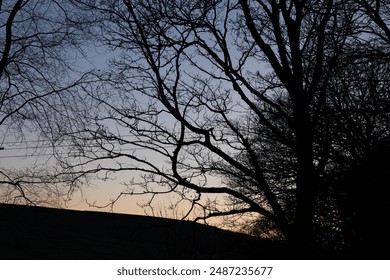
{"x": 263, "y": 102}
{"x": 39, "y": 41}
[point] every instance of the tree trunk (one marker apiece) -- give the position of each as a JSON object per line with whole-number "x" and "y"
{"x": 301, "y": 233}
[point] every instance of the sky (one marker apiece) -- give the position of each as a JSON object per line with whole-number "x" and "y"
{"x": 24, "y": 153}
{"x": 19, "y": 151}
{"x": 31, "y": 151}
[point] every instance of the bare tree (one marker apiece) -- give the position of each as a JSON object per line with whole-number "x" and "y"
{"x": 40, "y": 43}
{"x": 224, "y": 98}
{"x": 358, "y": 111}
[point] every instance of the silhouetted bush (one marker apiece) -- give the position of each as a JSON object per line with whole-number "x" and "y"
{"x": 356, "y": 212}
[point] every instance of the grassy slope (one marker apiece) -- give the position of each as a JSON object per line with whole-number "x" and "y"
{"x": 44, "y": 233}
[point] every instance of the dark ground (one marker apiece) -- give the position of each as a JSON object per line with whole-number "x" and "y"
{"x": 44, "y": 233}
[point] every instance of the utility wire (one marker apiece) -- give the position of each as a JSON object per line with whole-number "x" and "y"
{"x": 42, "y": 146}
{"x": 69, "y": 154}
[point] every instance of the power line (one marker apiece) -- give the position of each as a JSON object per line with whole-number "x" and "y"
{"x": 75, "y": 155}
{"x": 16, "y": 142}
{"x": 42, "y": 147}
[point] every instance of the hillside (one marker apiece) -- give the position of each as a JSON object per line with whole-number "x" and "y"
{"x": 44, "y": 233}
